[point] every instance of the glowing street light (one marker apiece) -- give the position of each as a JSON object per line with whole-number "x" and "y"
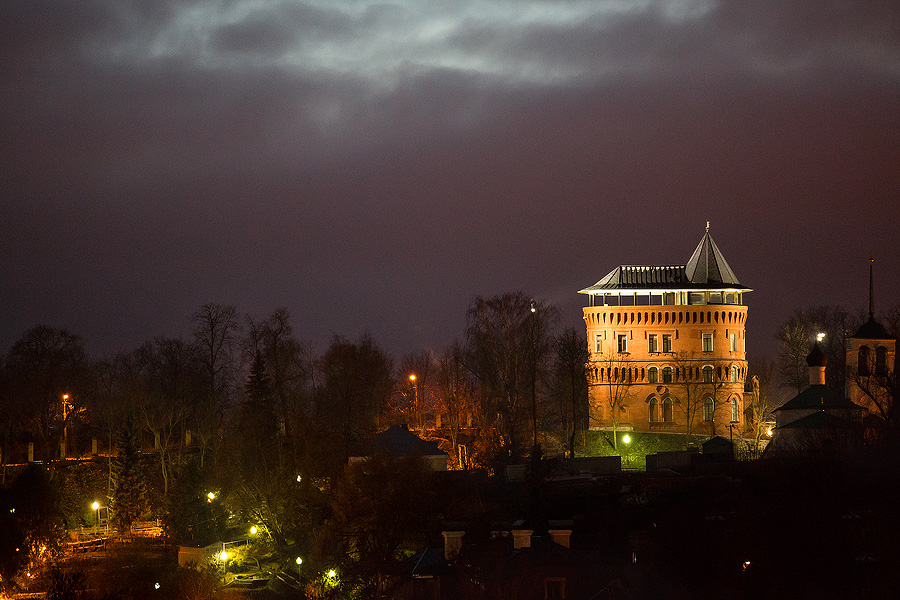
{"x": 626, "y": 438}
{"x": 331, "y": 573}
{"x": 253, "y": 530}
{"x": 820, "y": 337}
{"x": 96, "y": 507}
{"x": 223, "y": 556}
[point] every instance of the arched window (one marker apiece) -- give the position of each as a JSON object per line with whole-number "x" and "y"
{"x": 862, "y": 366}
{"x": 654, "y": 410}
{"x": 707, "y": 374}
{"x": 653, "y": 374}
{"x": 667, "y": 410}
{"x": 735, "y": 374}
{"x": 880, "y": 361}
{"x": 667, "y": 375}
{"x": 709, "y": 408}
{"x": 735, "y": 412}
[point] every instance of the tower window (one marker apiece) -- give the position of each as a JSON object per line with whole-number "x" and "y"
{"x": 709, "y": 408}
{"x": 651, "y": 342}
{"x": 667, "y": 375}
{"x": 707, "y": 342}
{"x": 735, "y": 413}
{"x": 654, "y": 410}
{"x": 667, "y": 342}
{"x": 707, "y": 374}
{"x": 653, "y": 375}
{"x": 862, "y": 366}
{"x": 623, "y": 342}
{"x": 881, "y": 361}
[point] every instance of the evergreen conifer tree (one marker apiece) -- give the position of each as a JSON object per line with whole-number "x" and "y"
{"x": 129, "y": 496}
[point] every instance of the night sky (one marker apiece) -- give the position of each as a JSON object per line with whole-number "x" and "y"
{"x": 374, "y": 166}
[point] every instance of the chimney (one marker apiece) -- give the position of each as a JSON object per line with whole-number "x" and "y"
{"x": 817, "y": 362}
{"x": 452, "y": 544}
{"x": 522, "y": 538}
{"x": 560, "y": 536}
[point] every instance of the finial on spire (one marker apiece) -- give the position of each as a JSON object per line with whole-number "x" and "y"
{"x": 871, "y": 288}
{"x": 707, "y": 227}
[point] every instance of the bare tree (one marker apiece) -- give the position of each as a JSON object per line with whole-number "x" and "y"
{"x": 215, "y": 334}
{"x": 762, "y": 378}
{"x": 455, "y": 398}
{"x": 507, "y": 339}
{"x": 687, "y": 379}
{"x": 797, "y": 334}
{"x": 613, "y": 377}
{"x": 570, "y": 386}
{"x": 417, "y": 370}
{"x": 42, "y": 367}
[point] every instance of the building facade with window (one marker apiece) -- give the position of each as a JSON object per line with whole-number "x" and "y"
{"x": 667, "y": 346}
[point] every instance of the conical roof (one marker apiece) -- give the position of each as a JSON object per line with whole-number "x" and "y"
{"x": 708, "y": 266}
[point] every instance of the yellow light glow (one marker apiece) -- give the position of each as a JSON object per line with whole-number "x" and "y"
{"x": 626, "y": 438}
{"x": 331, "y": 573}
{"x": 211, "y": 495}
{"x": 65, "y": 396}
{"x": 95, "y": 505}
{"x": 299, "y": 561}
{"x": 253, "y": 529}
{"x": 412, "y": 377}
{"x": 223, "y": 555}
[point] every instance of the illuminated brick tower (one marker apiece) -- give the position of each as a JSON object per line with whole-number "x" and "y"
{"x": 668, "y": 346}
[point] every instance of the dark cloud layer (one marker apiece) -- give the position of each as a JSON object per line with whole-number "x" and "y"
{"x": 373, "y": 166}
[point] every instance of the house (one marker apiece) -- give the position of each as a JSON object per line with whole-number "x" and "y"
{"x": 667, "y": 346}
{"x": 398, "y": 441}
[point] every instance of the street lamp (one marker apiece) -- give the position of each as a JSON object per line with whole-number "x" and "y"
{"x": 415, "y": 384}
{"x": 534, "y": 380}
{"x": 96, "y": 507}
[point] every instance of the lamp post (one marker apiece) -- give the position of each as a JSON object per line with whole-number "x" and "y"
{"x": 96, "y": 507}
{"x": 64, "y": 444}
{"x": 415, "y": 384}
{"x": 533, "y": 380}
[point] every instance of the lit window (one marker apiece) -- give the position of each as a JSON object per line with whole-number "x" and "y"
{"x": 715, "y": 297}
{"x": 707, "y": 342}
{"x": 651, "y": 340}
{"x": 735, "y": 374}
{"x": 653, "y": 375}
{"x": 707, "y": 374}
{"x": 733, "y": 339}
{"x": 667, "y": 374}
{"x": 709, "y": 408}
{"x": 667, "y": 342}
{"x": 735, "y": 414}
{"x": 598, "y": 343}
{"x": 623, "y": 343}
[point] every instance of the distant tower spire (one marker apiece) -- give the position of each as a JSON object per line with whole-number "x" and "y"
{"x": 871, "y": 288}
{"x": 707, "y": 227}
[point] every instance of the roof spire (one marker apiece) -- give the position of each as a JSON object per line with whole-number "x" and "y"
{"x": 707, "y": 227}
{"x": 871, "y": 288}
